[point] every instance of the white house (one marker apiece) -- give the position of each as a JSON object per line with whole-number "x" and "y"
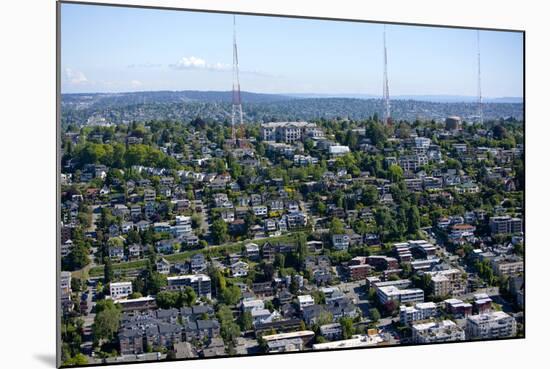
{"x": 120, "y": 290}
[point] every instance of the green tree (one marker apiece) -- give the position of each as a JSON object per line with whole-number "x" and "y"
{"x": 246, "y": 321}
{"x": 167, "y": 299}
{"x": 108, "y": 272}
{"x": 395, "y": 173}
{"x": 325, "y": 317}
{"x": 279, "y": 260}
{"x": 78, "y": 258}
{"x": 229, "y": 329}
{"x": 154, "y": 282}
{"x": 189, "y": 296}
{"x": 79, "y": 359}
{"x": 219, "y": 231}
{"x": 374, "y": 314}
{"x": 347, "y": 327}
{"x": 413, "y": 220}
{"x": 231, "y": 295}
{"x": 106, "y": 321}
{"x": 301, "y": 244}
{"x": 336, "y": 226}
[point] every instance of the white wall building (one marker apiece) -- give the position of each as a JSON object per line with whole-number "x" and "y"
{"x": 305, "y": 300}
{"x": 432, "y": 332}
{"x": 421, "y": 311}
{"x": 496, "y": 324}
{"x": 120, "y": 290}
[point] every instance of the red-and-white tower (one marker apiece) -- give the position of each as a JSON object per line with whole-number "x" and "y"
{"x": 386, "y": 87}
{"x": 237, "y": 108}
{"x": 479, "y": 98}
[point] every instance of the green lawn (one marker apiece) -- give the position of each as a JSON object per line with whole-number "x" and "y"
{"x": 212, "y": 251}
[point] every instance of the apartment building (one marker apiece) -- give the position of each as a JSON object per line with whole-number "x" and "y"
{"x": 505, "y": 225}
{"x": 289, "y": 132}
{"x": 447, "y": 282}
{"x": 386, "y": 293}
{"x": 305, "y": 300}
{"x": 183, "y": 225}
{"x": 507, "y": 266}
{"x": 65, "y": 290}
{"x": 119, "y": 290}
{"x": 496, "y": 324}
{"x": 434, "y": 332}
{"x": 458, "y": 308}
{"x": 421, "y": 311}
{"x": 412, "y": 162}
{"x": 201, "y": 283}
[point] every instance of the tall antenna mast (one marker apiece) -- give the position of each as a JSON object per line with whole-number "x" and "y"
{"x": 479, "y": 98}
{"x": 386, "y": 88}
{"x": 237, "y": 106}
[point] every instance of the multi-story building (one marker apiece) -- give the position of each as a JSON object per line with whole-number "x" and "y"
{"x": 163, "y": 266}
{"x": 183, "y": 225}
{"x": 505, "y": 225}
{"x": 289, "y": 132}
{"x": 199, "y": 282}
{"x": 331, "y": 331}
{"x": 421, "y": 311}
{"x": 131, "y": 342}
{"x": 120, "y": 290}
{"x": 495, "y": 324}
{"x": 414, "y": 184}
{"x": 149, "y": 195}
{"x": 447, "y": 282}
{"x": 422, "y": 142}
{"x": 260, "y": 210}
{"x": 403, "y": 252}
{"x": 357, "y": 272}
{"x": 507, "y": 266}
{"x": 431, "y": 183}
{"x": 66, "y": 248}
{"x": 433, "y": 332}
{"x": 458, "y": 307}
{"x": 340, "y": 242}
{"x": 482, "y": 303}
{"x": 382, "y": 262}
{"x": 296, "y": 219}
{"x": 65, "y": 290}
{"x": 305, "y": 300}
{"x": 422, "y": 248}
{"x": 252, "y": 251}
{"x": 462, "y": 231}
{"x": 412, "y": 162}
{"x": 399, "y": 295}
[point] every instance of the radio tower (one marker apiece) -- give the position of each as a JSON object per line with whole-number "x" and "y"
{"x": 386, "y": 88}
{"x": 237, "y": 107}
{"x": 479, "y": 99}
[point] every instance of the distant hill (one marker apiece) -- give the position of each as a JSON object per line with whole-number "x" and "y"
{"x": 169, "y": 97}
{"x": 216, "y": 106}
{"x": 429, "y": 98}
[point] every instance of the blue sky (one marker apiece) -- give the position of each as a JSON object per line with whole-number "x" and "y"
{"x": 113, "y": 49}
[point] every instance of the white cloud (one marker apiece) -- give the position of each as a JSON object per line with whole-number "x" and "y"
{"x": 193, "y": 62}
{"x": 75, "y": 77}
{"x": 135, "y": 83}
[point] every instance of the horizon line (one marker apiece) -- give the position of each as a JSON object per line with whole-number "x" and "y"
{"x": 294, "y": 94}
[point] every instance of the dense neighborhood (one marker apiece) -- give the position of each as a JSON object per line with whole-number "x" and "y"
{"x": 179, "y": 242}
